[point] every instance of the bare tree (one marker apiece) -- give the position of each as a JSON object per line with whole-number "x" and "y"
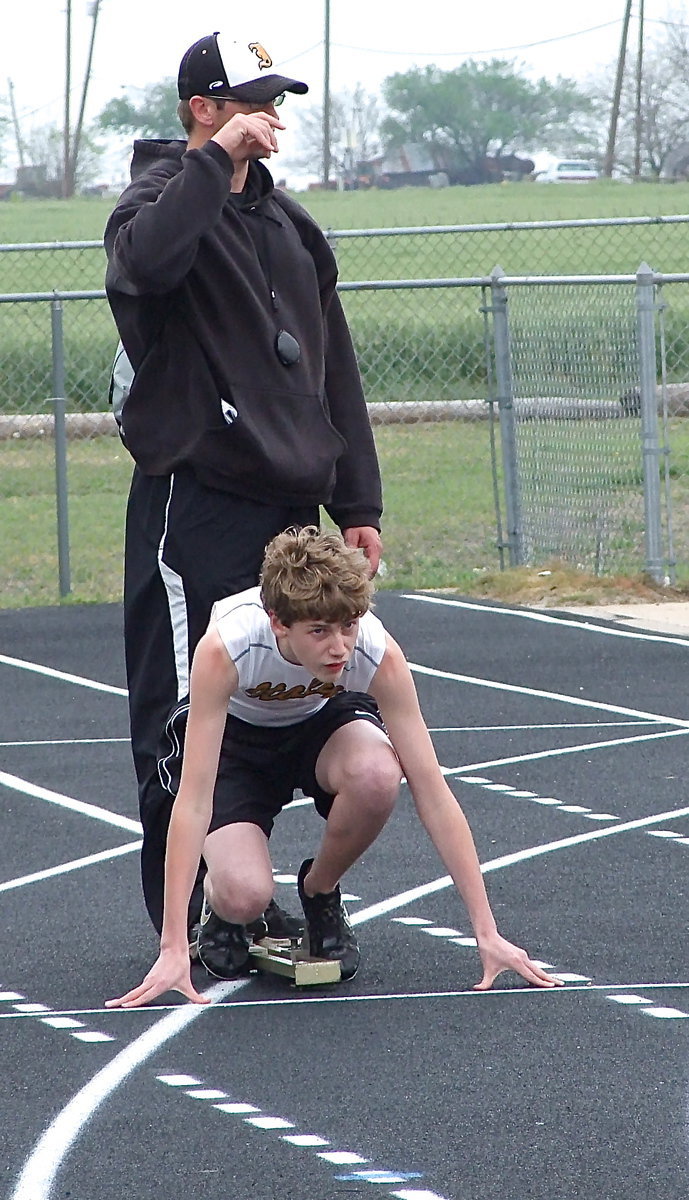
{"x": 660, "y": 105}
{"x": 354, "y": 133}
{"x": 43, "y": 148}
{"x": 4, "y": 123}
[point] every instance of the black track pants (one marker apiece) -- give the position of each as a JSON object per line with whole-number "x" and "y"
{"x": 186, "y": 546}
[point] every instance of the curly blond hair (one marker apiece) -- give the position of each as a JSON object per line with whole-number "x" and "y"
{"x": 310, "y": 574}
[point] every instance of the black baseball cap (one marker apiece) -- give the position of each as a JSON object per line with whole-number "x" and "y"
{"x": 232, "y": 69}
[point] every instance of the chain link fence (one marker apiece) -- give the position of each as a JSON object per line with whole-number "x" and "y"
{"x": 575, "y": 371}
{"x": 421, "y": 310}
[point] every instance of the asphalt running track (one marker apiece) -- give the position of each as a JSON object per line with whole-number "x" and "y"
{"x": 565, "y": 740}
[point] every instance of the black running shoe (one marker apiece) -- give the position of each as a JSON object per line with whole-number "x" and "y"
{"x": 328, "y": 932}
{"x": 223, "y": 948}
{"x": 276, "y": 923}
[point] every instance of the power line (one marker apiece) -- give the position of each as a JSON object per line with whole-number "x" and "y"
{"x": 563, "y": 37}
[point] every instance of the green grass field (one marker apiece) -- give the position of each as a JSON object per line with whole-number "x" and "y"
{"x": 410, "y": 346}
{"x": 542, "y": 252}
{"x": 85, "y": 218}
{"x": 440, "y": 523}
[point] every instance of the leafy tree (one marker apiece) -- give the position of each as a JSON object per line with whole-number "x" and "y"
{"x": 478, "y": 109}
{"x": 153, "y": 116}
{"x": 354, "y": 136}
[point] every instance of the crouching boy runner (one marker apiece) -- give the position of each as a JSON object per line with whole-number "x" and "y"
{"x": 288, "y": 688}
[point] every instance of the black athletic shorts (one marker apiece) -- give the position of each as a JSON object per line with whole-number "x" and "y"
{"x": 261, "y": 765}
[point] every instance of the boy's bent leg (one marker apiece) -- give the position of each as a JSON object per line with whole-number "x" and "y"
{"x": 359, "y": 767}
{"x": 238, "y": 887}
{"x": 239, "y": 880}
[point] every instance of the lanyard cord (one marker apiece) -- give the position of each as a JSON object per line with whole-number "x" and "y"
{"x": 263, "y": 255}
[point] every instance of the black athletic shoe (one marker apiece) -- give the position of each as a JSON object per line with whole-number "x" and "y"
{"x": 223, "y": 948}
{"x": 328, "y": 932}
{"x": 276, "y": 923}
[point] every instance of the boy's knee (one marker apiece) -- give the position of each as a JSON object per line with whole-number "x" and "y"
{"x": 375, "y": 778}
{"x": 239, "y": 900}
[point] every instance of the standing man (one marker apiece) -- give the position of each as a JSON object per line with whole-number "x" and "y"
{"x": 246, "y": 411}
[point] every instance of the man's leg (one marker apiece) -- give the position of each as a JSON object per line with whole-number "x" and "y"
{"x": 186, "y": 546}
{"x": 151, "y": 671}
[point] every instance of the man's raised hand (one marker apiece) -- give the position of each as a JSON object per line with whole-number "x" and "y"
{"x": 248, "y": 136}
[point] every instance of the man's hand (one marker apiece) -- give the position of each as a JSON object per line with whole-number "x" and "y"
{"x": 366, "y": 538}
{"x": 248, "y": 136}
{"x": 498, "y": 955}
{"x": 170, "y": 973}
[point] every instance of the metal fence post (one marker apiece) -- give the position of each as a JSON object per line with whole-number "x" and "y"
{"x": 503, "y": 378}
{"x": 651, "y": 451}
{"x": 60, "y": 434}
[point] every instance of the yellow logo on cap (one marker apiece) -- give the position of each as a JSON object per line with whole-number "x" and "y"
{"x": 264, "y": 59}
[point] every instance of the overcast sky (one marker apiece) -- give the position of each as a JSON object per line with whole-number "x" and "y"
{"x": 139, "y": 42}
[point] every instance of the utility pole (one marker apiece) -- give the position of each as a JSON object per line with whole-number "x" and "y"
{"x": 638, "y": 121}
{"x": 609, "y": 160}
{"x": 326, "y": 97}
{"x": 15, "y": 122}
{"x": 68, "y": 87}
{"x": 76, "y": 139}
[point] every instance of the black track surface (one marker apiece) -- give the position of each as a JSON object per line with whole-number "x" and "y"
{"x": 420, "y": 1088}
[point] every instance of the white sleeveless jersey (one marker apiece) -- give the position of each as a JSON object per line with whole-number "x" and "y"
{"x": 271, "y": 690}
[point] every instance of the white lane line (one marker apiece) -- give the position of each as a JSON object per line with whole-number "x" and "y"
{"x": 544, "y": 619}
{"x": 92, "y": 1036}
{"x": 52, "y": 1147}
{"x": 263, "y": 1002}
{"x": 75, "y": 865}
{"x": 300, "y": 802}
{"x": 371, "y": 997}
{"x": 580, "y": 809}
{"x": 202, "y": 1093}
{"x": 64, "y": 742}
{"x": 538, "y": 693}
{"x": 532, "y": 728}
{"x": 64, "y": 676}
{"x": 305, "y": 1139}
{"x": 237, "y": 1107}
{"x": 78, "y": 806}
{"x": 48, "y": 1016}
{"x": 519, "y": 758}
{"x": 270, "y": 1123}
{"x": 664, "y": 1012}
{"x": 508, "y": 860}
{"x": 416, "y": 1194}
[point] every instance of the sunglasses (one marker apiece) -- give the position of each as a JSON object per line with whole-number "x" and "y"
{"x": 256, "y": 107}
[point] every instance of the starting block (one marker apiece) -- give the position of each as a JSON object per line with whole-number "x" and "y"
{"x": 280, "y": 957}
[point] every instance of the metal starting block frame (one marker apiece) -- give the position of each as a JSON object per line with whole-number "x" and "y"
{"x": 280, "y": 957}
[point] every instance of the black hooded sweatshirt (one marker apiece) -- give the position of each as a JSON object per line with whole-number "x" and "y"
{"x": 201, "y": 281}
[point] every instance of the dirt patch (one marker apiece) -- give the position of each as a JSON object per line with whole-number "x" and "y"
{"x": 558, "y": 585}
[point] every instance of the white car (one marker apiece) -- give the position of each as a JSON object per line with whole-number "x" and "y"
{"x": 569, "y": 170}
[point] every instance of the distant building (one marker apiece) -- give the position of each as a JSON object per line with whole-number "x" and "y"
{"x": 676, "y": 164}
{"x": 417, "y": 164}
